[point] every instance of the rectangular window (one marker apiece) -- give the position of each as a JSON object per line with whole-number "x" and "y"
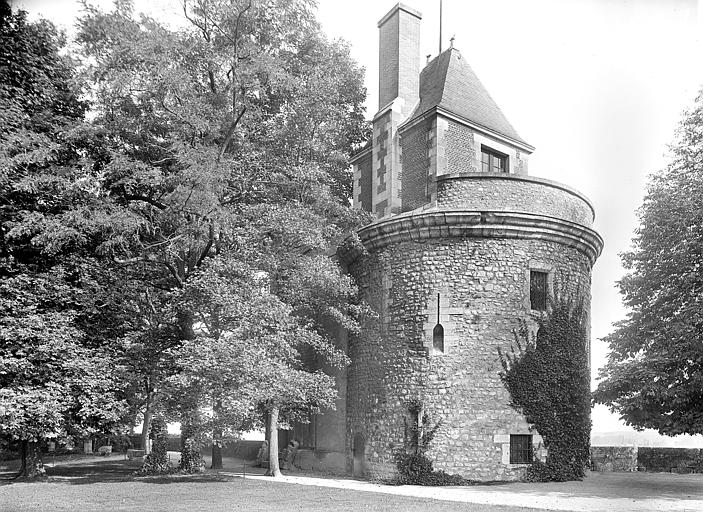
{"x": 492, "y": 161}
{"x": 538, "y": 290}
{"x": 521, "y": 449}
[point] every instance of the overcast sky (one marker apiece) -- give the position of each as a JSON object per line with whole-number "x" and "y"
{"x": 597, "y": 86}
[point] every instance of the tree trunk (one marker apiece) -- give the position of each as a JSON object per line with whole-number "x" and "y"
{"x": 184, "y": 320}
{"x": 216, "y": 452}
{"x": 272, "y": 436}
{"x": 148, "y": 415}
{"x": 32, "y": 466}
{"x": 217, "y": 440}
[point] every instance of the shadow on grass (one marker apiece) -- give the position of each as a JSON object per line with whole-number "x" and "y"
{"x": 108, "y": 471}
{"x": 91, "y": 472}
{"x": 120, "y": 470}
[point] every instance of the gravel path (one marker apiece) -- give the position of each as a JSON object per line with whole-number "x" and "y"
{"x": 611, "y": 492}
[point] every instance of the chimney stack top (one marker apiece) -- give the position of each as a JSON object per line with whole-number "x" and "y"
{"x": 399, "y": 7}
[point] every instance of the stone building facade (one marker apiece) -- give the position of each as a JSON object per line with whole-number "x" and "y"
{"x": 464, "y": 245}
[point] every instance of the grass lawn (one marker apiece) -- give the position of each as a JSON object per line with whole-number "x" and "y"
{"x": 107, "y": 485}
{"x": 86, "y": 483}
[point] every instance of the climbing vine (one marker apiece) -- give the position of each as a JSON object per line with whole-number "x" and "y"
{"x": 414, "y": 467}
{"x": 157, "y": 463}
{"x": 547, "y": 377}
{"x": 191, "y": 459}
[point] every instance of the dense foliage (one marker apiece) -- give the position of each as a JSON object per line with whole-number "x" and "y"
{"x": 173, "y": 249}
{"x": 654, "y": 374}
{"x": 547, "y": 377}
{"x": 56, "y": 379}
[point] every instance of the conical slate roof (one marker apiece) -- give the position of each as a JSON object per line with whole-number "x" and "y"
{"x": 449, "y": 83}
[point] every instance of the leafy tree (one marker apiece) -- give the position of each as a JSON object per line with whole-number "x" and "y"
{"x": 53, "y": 384}
{"x": 227, "y": 140}
{"x": 548, "y": 381}
{"x": 250, "y": 350}
{"x": 56, "y": 380}
{"x": 654, "y": 374}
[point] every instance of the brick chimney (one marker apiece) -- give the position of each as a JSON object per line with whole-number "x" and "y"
{"x": 398, "y": 94}
{"x": 399, "y": 56}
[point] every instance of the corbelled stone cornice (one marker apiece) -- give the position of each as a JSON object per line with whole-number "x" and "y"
{"x": 445, "y": 224}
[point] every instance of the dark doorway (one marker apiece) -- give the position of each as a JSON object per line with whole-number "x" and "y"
{"x": 358, "y": 450}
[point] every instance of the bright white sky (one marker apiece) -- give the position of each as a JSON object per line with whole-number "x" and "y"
{"x": 597, "y": 86}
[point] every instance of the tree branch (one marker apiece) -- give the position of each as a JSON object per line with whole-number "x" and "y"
{"x": 208, "y": 246}
{"x": 230, "y": 134}
{"x": 135, "y": 260}
{"x": 145, "y": 199}
{"x": 202, "y": 27}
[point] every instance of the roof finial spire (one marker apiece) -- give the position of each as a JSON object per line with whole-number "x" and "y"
{"x": 440, "y": 26}
{"x": 451, "y": 42}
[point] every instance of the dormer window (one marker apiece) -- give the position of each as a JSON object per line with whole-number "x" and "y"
{"x": 493, "y": 161}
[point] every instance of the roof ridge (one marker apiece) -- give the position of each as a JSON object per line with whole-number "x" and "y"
{"x": 435, "y": 67}
{"x": 446, "y": 70}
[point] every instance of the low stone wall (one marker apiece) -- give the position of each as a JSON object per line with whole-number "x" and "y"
{"x": 632, "y": 458}
{"x": 677, "y": 460}
{"x": 247, "y": 450}
{"x": 614, "y": 458}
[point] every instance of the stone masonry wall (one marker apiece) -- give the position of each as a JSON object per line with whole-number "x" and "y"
{"x": 499, "y": 191}
{"x": 463, "y": 147}
{"x": 381, "y": 163}
{"x": 416, "y": 165}
{"x": 365, "y": 184}
{"x": 483, "y": 284}
{"x": 460, "y": 149}
{"x": 614, "y": 458}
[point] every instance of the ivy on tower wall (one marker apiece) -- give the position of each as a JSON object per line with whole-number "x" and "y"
{"x": 547, "y": 377}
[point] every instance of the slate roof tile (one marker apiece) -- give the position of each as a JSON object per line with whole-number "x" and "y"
{"x": 449, "y": 82}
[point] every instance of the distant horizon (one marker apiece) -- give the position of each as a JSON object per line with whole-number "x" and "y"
{"x": 646, "y": 438}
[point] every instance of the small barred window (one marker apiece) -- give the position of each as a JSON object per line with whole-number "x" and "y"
{"x": 538, "y": 290}
{"x": 521, "y": 449}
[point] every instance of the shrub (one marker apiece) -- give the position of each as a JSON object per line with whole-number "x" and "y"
{"x": 414, "y": 468}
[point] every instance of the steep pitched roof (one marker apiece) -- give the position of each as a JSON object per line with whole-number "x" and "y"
{"x": 448, "y": 82}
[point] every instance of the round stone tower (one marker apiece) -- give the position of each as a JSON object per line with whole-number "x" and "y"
{"x": 465, "y": 245}
{"x": 449, "y": 285}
